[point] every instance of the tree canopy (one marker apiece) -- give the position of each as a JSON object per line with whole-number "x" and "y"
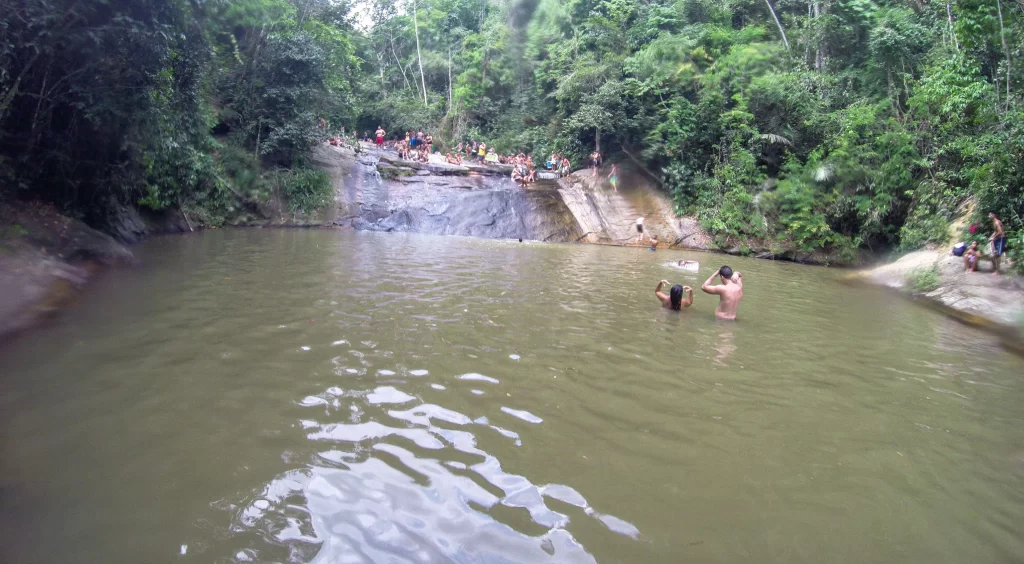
{"x": 790, "y": 125}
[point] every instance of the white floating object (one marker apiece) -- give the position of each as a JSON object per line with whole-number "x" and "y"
{"x": 478, "y": 378}
{"x": 305, "y": 348}
{"x": 514, "y": 356}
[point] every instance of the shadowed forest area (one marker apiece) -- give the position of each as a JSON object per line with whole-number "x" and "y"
{"x": 782, "y": 124}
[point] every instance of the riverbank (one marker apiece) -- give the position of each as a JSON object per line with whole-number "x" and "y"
{"x": 44, "y": 258}
{"x": 937, "y": 280}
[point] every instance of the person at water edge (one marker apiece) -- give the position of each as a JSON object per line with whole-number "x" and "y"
{"x": 730, "y": 292}
{"x": 654, "y": 243}
{"x": 430, "y": 143}
{"x": 674, "y": 299}
{"x": 379, "y": 136}
{"x": 998, "y": 242}
{"x": 971, "y": 256}
{"x": 613, "y": 178}
{"x": 564, "y": 168}
{"x": 481, "y": 152}
{"x": 595, "y": 162}
{"x": 455, "y": 159}
{"x": 639, "y": 230}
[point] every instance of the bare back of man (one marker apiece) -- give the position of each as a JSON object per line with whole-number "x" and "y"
{"x": 730, "y": 292}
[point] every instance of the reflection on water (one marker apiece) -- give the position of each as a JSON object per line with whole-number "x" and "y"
{"x": 370, "y": 500}
{"x": 300, "y": 396}
{"x": 429, "y": 498}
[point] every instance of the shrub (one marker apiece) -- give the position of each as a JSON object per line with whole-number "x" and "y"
{"x": 923, "y": 280}
{"x": 306, "y": 189}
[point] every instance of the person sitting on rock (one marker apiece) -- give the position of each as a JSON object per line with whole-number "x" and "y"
{"x": 971, "y": 256}
{"x": 450, "y": 159}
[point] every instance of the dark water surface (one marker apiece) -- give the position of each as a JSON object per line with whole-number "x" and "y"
{"x": 268, "y": 396}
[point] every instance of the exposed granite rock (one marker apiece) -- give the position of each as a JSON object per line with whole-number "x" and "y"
{"x": 992, "y": 302}
{"x": 44, "y": 258}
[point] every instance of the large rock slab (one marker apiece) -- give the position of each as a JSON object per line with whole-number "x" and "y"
{"x": 978, "y": 298}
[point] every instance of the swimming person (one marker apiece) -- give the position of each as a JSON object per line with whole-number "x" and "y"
{"x": 654, "y": 243}
{"x": 730, "y": 292}
{"x": 998, "y": 242}
{"x": 674, "y": 300}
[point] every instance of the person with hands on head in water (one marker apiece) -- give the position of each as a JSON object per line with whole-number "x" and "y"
{"x": 674, "y": 299}
{"x": 730, "y": 292}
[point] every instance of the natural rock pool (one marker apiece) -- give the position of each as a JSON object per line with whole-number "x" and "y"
{"x": 328, "y": 396}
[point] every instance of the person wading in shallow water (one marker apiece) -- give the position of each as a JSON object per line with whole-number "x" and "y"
{"x": 730, "y": 292}
{"x": 674, "y": 299}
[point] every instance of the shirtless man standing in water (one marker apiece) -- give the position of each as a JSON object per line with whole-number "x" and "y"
{"x": 730, "y": 292}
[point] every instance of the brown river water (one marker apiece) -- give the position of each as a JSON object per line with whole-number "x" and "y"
{"x": 327, "y": 396}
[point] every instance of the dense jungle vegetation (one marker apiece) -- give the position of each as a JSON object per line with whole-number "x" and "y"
{"x": 781, "y": 124}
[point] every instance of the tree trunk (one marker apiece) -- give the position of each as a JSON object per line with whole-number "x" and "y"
{"x": 419, "y": 58}
{"x": 1006, "y": 49}
{"x": 449, "y": 80}
{"x": 779, "y": 24}
{"x": 819, "y": 56}
{"x": 597, "y": 139}
{"x": 949, "y": 17}
{"x": 399, "y": 63}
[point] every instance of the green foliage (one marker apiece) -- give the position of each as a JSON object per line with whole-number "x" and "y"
{"x": 117, "y": 102}
{"x": 306, "y": 189}
{"x": 870, "y": 126}
{"x": 923, "y": 280}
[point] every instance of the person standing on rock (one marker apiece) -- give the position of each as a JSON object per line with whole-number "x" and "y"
{"x": 595, "y": 162}
{"x": 379, "y": 137}
{"x": 998, "y": 242}
{"x": 729, "y": 293}
{"x": 640, "y": 230}
{"x": 613, "y": 178}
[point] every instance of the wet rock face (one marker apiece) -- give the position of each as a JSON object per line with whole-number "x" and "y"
{"x": 505, "y": 214}
{"x": 384, "y": 193}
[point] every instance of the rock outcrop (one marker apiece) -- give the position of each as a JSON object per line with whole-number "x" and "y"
{"x": 377, "y": 191}
{"x": 995, "y": 303}
{"x": 44, "y": 258}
